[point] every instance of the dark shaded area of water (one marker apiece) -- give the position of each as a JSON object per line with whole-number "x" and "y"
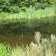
{"x": 19, "y": 40}
{"x": 19, "y": 28}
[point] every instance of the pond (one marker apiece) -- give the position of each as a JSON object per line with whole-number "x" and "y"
{"x": 19, "y": 40}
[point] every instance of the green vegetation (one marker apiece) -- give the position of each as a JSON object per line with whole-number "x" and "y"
{"x": 21, "y": 15}
{"x": 24, "y": 16}
{"x": 24, "y": 21}
{"x": 15, "y": 6}
{"x": 30, "y": 13}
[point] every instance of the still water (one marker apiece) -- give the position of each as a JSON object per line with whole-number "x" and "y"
{"x": 19, "y": 40}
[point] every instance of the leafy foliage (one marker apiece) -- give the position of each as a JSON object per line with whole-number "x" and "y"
{"x": 14, "y": 5}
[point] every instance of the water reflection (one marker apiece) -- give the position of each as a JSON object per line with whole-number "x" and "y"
{"x": 20, "y": 40}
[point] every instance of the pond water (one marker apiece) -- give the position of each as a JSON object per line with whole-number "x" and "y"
{"x": 19, "y": 40}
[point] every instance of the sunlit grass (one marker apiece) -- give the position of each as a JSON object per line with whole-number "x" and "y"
{"x": 30, "y": 13}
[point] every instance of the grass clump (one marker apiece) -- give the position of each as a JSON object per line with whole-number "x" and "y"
{"x": 3, "y": 50}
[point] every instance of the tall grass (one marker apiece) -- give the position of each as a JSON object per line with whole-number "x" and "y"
{"x": 30, "y": 13}
{"x": 45, "y": 48}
